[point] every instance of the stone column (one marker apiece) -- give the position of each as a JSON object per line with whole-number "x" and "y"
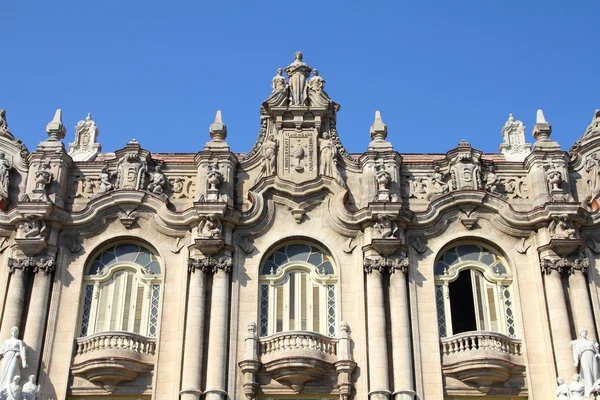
{"x": 216, "y": 370}
{"x": 194, "y": 331}
{"x": 15, "y": 298}
{"x": 401, "y": 333}
{"x": 583, "y": 314}
{"x": 378, "y": 353}
{"x": 38, "y": 312}
{"x": 558, "y": 315}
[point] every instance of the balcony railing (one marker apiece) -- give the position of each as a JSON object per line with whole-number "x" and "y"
{"x": 109, "y": 358}
{"x": 298, "y": 340}
{"x": 482, "y": 340}
{"x": 482, "y": 358}
{"x": 116, "y": 341}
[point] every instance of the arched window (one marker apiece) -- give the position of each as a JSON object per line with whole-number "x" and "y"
{"x": 122, "y": 291}
{"x": 298, "y": 291}
{"x": 473, "y": 291}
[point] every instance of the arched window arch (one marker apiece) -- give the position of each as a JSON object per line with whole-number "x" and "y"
{"x": 473, "y": 291}
{"x": 298, "y": 290}
{"x": 122, "y": 291}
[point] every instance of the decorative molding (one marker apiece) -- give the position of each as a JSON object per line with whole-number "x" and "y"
{"x": 32, "y": 264}
{"x": 564, "y": 265}
{"x": 210, "y": 264}
{"x": 386, "y": 264}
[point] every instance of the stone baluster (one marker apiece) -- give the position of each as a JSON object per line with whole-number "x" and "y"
{"x": 194, "y": 331}
{"x": 15, "y": 298}
{"x": 216, "y": 371}
{"x": 401, "y": 333}
{"x": 378, "y": 352}
{"x": 37, "y": 314}
{"x": 558, "y": 315}
{"x": 579, "y": 295}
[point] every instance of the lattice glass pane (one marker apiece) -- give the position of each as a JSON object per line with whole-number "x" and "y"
{"x": 87, "y": 307}
{"x": 264, "y": 310}
{"x": 331, "y": 310}
{"x": 441, "y": 315}
{"x": 154, "y": 311}
{"x": 510, "y": 318}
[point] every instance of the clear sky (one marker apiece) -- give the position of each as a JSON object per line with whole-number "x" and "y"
{"x": 439, "y": 71}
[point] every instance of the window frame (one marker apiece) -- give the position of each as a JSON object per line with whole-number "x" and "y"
{"x": 499, "y": 283}
{"x": 100, "y": 287}
{"x": 315, "y": 279}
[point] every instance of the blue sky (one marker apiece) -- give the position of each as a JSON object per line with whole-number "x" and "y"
{"x": 439, "y": 71}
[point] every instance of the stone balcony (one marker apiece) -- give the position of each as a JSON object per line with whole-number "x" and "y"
{"x": 294, "y": 358}
{"x": 482, "y": 358}
{"x": 109, "y": 358}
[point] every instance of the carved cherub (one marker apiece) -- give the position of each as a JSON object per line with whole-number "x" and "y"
{"x": 210, "y": 227}
{"x": 385, "y": 227}
{"x": 34, "y": 227}
{"x": 159, "y": 182}
{"x": 561, "y": 228}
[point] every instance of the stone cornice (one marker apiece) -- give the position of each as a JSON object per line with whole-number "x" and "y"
{"x": 386, "y": 264}
{"x": 32, "y": 264}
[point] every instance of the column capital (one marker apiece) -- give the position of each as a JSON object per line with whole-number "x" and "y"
{"x": 32, "y": 264}
{"x": 210, "y": 264}
{"x": 564, "y": 265}
{"x": 386, "y": 264}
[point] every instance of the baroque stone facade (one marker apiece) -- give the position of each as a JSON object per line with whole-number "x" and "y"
{"x": 298, "y": 270}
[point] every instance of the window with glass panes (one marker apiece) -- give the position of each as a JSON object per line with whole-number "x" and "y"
{"x": 473, "y": 291}
{"x": 298, "y": 291}
{"x": 121, "y": 291}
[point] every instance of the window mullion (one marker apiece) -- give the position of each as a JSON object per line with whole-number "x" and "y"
{"x": 145, "y": 310}
{"x": 309, "y": 304}
{"x": 286, "y": 305}
{"x": 94, "y": 308}
{"x": 133, "y": 303}
{"x": 447, "y": 309}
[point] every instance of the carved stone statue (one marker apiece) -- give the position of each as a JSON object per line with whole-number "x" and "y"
{"x": 594, "y": 126}
{"x": 210, "y": 227}
{"x": 14, "y": 358}
{"x": 513, "y": 146}
{"x": 159, "y": 182}
{"x": 561, "y": 228}
{"x": 43, "y": 176}
{"x": 298, "y": 71}
{"x": 5, "y": 167}
{"x": 12, "y": 391}
{"x": 419, "y": 189}
{"x": 317, "y": 96}
{"x": 33, "y": 228}
{"x": 30, "y": 389}
{"x": 328, "y": 158}
{"x": 562, "y": 391}
{"x": 438, "y": 182}
{"x": 106, "y": 180}
{"x": 385, "y": 227}
{"x": 383, "y": 177}
{"x": 576, "y": 389}
{"x": 281, "y": 93}
{"x": 269, "y": 157}
{"x": 4, "y": 125}
{"x": 592, "y": 167}
{"x": 585, "y": 356}
{"x": 491, "y": 180}
{"x": 88, "y": 186}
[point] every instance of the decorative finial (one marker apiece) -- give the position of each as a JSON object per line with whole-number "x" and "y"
{"x": 511, "y": 118}
{"x": 55, "y": 128}
{"x": 514, "y": 146}
{"x": 88, "y": 117}
{"x": 218, "y": 130}
{"x": 539, "y": 118}
{"x": 378, "y": 129}
{"x": 542, "y": 129}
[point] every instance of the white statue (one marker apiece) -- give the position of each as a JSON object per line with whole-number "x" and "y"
{"x": 159, "y": 182}
{"x": 585, "y": 356}
{"x": 269, "y": 153}
{"x": 298, "y": 71}
{"x": 385, "y": 227}
{"x": 44, "y": 175}
{"x": 106, "y": 180}
{"x": 210, "y": 227}
{"x": 280, "y": 95}
{"x": 561, "y": 228}
{"x": 30, "y": 389}
{"x": 12, "y": 391}
{"x": 577, "y": 389}
{"x": 4, "y": 125}
{"x": 14, "y": 358}
{"x": 562, "y": 391}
